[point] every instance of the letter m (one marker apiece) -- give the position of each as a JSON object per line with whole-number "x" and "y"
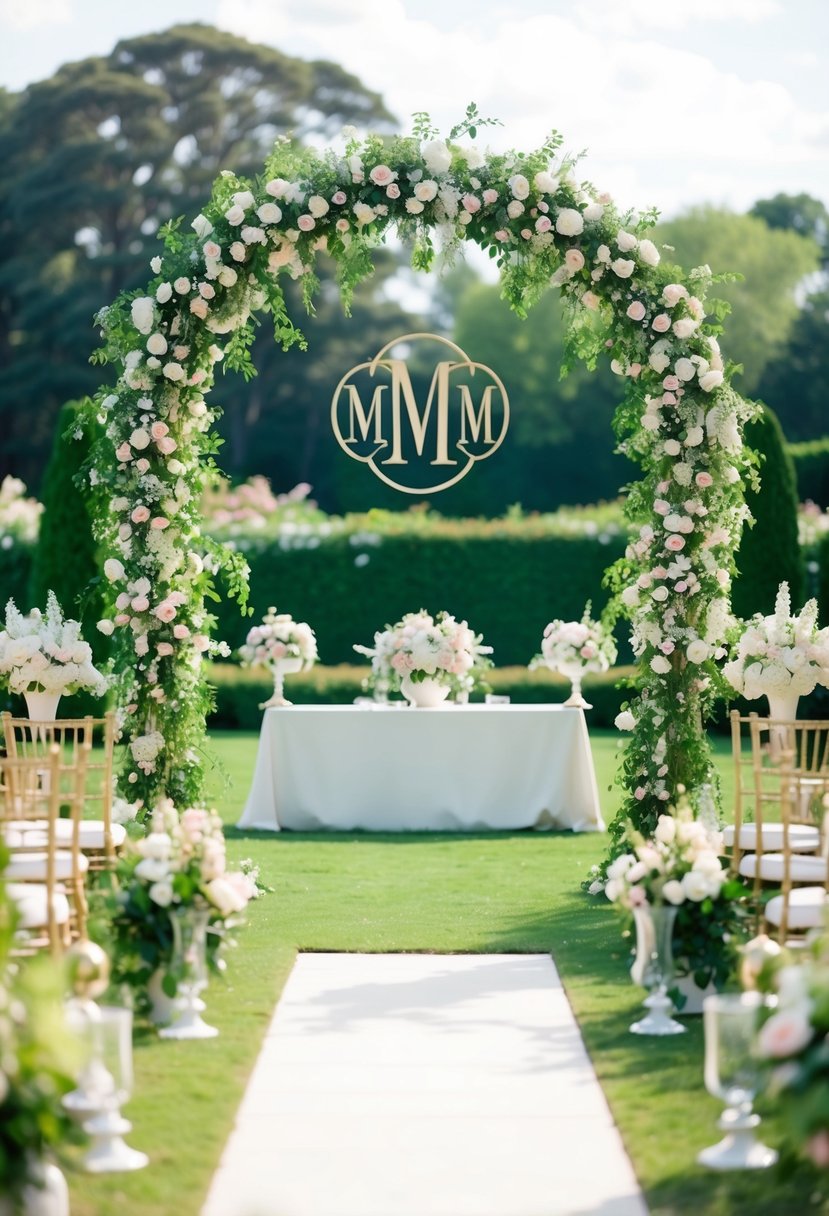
{"x": 363, "y": 419}
{"x": 482, "y": 420}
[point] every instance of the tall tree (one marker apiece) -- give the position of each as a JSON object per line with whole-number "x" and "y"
{"x": 799, "y": 213}
{"x": 773, "y": 262}
{"x": 95, "y": 159}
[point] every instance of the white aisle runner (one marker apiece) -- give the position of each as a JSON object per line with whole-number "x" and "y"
{"x": 424, "y": 1085}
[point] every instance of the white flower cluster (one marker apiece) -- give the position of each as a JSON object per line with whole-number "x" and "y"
{"x": 45, "y": 653}
{"x": 19, "y": 515}
{"x": 781, "y": 652}
{"x": 571, "y": 647}
{"x": 279, "y": 637}
{"x": 420, "y": 645}
{"x": 191, "y": 843}
{"x": 681, "y": 862}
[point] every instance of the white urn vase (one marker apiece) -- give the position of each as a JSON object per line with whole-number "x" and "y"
{"x": 281, "y": 668}
{"x": 162, "y": 1006}
{"x": 574, "y": 673}
{"x": 782, "y": 708}
{"x": 424, "y": 694}
{"x": 42, "y": 706}
{"x": 48, "y": 1196}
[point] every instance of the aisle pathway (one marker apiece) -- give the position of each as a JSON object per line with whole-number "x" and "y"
{"x": 424, "y": 1085}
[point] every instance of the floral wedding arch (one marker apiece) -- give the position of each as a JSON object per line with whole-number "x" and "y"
{"x": 680, "y": 418}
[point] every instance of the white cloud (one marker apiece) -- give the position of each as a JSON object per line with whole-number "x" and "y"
{"x": 664, "y": 126}
{"x": 624, "y": 16}
{"x": 34, "y": 14}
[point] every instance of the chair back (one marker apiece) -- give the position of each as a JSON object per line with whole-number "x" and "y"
{"x": 30, "y": 805}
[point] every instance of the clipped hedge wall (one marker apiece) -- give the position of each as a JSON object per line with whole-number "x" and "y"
{"x": 811, "y": 464}
{"x": 507, "y": 586}
{"x": 15, "y": 572}
{"x": 240, "y": 691}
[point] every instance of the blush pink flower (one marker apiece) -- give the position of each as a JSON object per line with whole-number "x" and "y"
{"x": 159, "y": 429}
{"x": 122, "y": 618}
{"x": 639, "y": 793}
{"x": 471, "y": 203}
{"x": 180, "y": 632}
{"x": 199, "y": 308}
{"x": 501, "y": 235}
{"x": 201, "y": 642}
{"x": 490, "y": 197}
{"x": 671, "y": 383}
{"x": 381, "y": 175}
{"x": 167, "y": 445}
{"x": 675, "y": 542}
{"x": 339, "y": 198}
{"x": 661, "y": 323}
{"x": 544, "y": 224}
{"x": 160, "y": 523}
{"x": 164, "y": 649}
{"x": 704, "y": 480}
{"x": 140, "y": 514}
{"x": 142, "y": 465}
{"x": 123, "y": 453}
{"x": 573, "y": 258}
{"x": 306, "y": 223}
{"x": 636, "y": 311}
{"x": 393, "y": 190}
{"x": 140, "y": 603}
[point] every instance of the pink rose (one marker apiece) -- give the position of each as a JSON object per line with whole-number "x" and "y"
{"x": 140, "y": 603}
{"x": 704, "y": 480}
{"x": 635, "y": 370}
{"x": 590, "y": 300}
{"x": 669, "y": 399}
{"x": 201, "y": 642}
{"x": 238, "y": 251}
{"x": 636, "y": 311}
{"x": 207, "y": 290}
{"x": 544, "y": 224}
{"x": 212, "y": 250}
{"x": 639, "y": 793}
{"x": 675, "y": 543}
{"x": 661, "y": 323}
{"x": 393, "y": 190}
{"x": 165, "y": 611}
{"x": 166, "y": 445}
{"x": 123, "y": 453}
{"x": 382, "y": 175}
{"x": 142, "y": 465}
{"x": 123, "y": 601}
{"x": 163, "y": 649}
{"x": 681, "y": 586}
{"x": 501, "y": 235}
{"x": 661, "y": 507}
{"x": 140, "y": 515}
{"x": 160, "y": 523}
{"x": 122, "y": 618}
{"x": 342, "y": 225}
{"x": 159, "y": 429}
{"x": 471, "y": 203}
{"x": 786, "y": 1033}
{"x": 199, "y": 308}
{"x": 306, "y": 223}
{"x": 490, "y": 197}
{"x": 817, "y": 1147}
{"x": 180, "y": 632}
{"x": 667, "y": 647}
{"x": 573, "y": 258}
{"x": 339, "y": 198}
{"x": 526, "y": 234}
{"x": 637, "y": 897}
{"x": 671, "y": 382}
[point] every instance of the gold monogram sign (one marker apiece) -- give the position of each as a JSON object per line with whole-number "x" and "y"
{"x": 378, "y": 420}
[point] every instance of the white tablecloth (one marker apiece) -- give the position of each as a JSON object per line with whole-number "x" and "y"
{"x": 455, "y": 768}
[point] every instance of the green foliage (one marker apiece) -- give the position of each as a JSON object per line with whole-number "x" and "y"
{"x": 66, "y": 558}
{"x": 823, "y": 591}
{"x": 811, "y": 464}
{"x": 771, "y": 262}
{"x": 769, "y": 552}
{"x": 797, "y": 384}
{"x": 506, "y": 580}
{"x": 239, "y": 691}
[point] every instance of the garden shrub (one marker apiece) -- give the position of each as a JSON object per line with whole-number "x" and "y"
{"x": 811, "y": 464}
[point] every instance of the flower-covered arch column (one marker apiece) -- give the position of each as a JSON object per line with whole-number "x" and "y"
{"x": 680, "y": 418}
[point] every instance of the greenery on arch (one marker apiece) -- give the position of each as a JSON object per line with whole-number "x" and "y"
{"x": 681, "y": 421}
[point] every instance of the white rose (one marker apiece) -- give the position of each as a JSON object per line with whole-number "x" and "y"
{"x": 660, "y": 665}
{"x": 414, "y": 206}
{"x": 161, "y": 893}
{"x": 224, "y": 896}
{"x": 426, "y": 190}
{"x": 684, "y": 369}
{"x": 694, "y": 437}
{"x": 174, "y": 371}
{"x": 269, "y": 213}
{"x": 545, "y": 183}
{"x": 673, "y": 892}
{"x": 695, "y": 885}
{"x": 658, "y": 362}
{"x": 152, "y": 869}
{"x": 106, "y": 628}
{"x": 710, "y": 381}
{"x": 625, "y": 240}
{"x": 648, "y": 253}
{"x": 235, "y": 215}
{"x": 157, "y": 344}
{"x": 625, "y": 720}
{"x": 139, "y": 439}
{"x": 515, "y": 208}
{"x": 201, "y": 226}
{"x": 594, "y": 212}
{"x": 685, "y": 326}
{"x": 519, "y": 186}
{"x": 113, "y": 570}
{"x": 142, "y": 314}
{"x": 569, "y": 222}
{"x": 671, "y": 447}
{"x": 227, "y": 276}
{"x": 473, "y": 156}
{"x": 163, "y": 292}
{"x": 436, "y": 156}
{"x": 155, "y": 265}
{"x": 318, "y": 206}
{"x": 623, "y": 267}
{"x": 698, "y": 651}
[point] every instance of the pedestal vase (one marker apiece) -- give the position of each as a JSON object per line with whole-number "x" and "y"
{"x": 653, "y": 967}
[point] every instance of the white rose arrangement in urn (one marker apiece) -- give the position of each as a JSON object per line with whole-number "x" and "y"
{"x": 573, "y": 648}
{"x": 427, "y": 658}
{"x": 282, "y": 645}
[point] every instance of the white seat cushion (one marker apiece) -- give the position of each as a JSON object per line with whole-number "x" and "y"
{"x": 806, "y": 908}
{"x": 803, "y": 838}
{"x": 30, "y": 901}
{"x": 34, "y": 834}
{"x": 31, "y": 867}
{"x": 802, "y": 867}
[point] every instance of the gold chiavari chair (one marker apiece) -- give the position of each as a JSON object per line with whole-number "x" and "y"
{"x": 760, "y": 750}
{"x": 802, "y": 901}
{"x": 39, "y": 874}
{"x": 100, "y": 838}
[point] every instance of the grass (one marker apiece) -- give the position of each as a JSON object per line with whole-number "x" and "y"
{"x": 501, "y": 892}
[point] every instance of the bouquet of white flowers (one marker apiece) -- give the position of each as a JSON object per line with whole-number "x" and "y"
{"x": 576, "y": 646}
{"x": 681, "y": 862}
{"x": 423, "y": 647}
{"x": 279, "y": 637}
{"x": 781, "y": 653}
{"x": 45, "y": 653}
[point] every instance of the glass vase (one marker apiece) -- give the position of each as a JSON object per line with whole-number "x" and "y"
{"x": 189, "y": 965}
{"x": 653, "y": 967}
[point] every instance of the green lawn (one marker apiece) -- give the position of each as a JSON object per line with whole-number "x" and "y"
{"x": 426, "y": 892}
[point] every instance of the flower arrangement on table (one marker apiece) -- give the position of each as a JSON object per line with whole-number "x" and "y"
{"x": 180, "y": 862}
{"x": 574, "y": 648}
{"x": 793, "y": 1039}
{"x": 38, "y": 1063}
{"x": 421, "y": 649}
{"x": 681, "y": 866}
{"x": 282, "y": 645}
{"x": 782, "y": 656}
{"x": 43, "y": 653}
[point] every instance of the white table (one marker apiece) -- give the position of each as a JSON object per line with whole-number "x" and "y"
{"x": 453, "y": 768}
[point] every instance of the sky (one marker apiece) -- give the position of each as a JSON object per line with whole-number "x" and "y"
{"x": 676, "y": 102}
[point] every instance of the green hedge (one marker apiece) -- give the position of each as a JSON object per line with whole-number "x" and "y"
{"x": 239, "y": 691}
{"x": 15, "y": 572}
{"x": 507, "y": 584}
{"x": 811, "y": 463}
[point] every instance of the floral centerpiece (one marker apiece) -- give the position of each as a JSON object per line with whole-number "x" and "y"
{"x": 432, "y": 652}
{"x": 43, "y": 653}
{"x": 793, "y": 1038}
{"x": 680, "y": 866}
{"x": 782, "y": 656}
{"x": 574, "y": 648}
{"x": 38, "y": 1063}
{"x": 282, "y": 645}
{"x": 180, "y": 862}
